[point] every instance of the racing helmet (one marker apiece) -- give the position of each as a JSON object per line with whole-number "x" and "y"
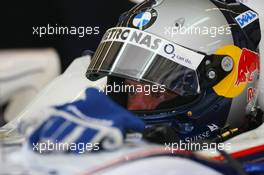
{"x": 191, "y": 66}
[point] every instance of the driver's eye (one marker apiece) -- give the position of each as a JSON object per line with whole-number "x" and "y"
{"x": 157, "y": 94}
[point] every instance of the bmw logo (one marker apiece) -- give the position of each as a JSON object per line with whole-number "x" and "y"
{"x": 144, "y": 19}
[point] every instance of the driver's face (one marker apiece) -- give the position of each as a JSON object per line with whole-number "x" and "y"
{"x": 142, "y": 101}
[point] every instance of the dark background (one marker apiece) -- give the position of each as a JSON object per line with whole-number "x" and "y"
{"x": 18, "y": 17}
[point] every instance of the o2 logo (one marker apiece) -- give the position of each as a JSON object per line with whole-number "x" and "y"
{"x": 170, "y": 50}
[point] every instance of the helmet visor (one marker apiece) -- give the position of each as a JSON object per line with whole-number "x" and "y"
{"x": 134, "y": 54}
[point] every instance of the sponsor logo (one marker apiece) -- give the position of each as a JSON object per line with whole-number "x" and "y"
{"x": 246, "y": 18}
{"x": 213, "y": 127}
{"x": 201, "y": 136}
{"x": 155, "y": 44}
{"x": 248, "y": 64}
{"x": 144, "y": 19}
{"x": 136, "y": 37}
{"x": 251, "y": 94}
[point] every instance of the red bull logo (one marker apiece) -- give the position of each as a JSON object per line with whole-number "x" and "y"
{"x": 249, "y": 63}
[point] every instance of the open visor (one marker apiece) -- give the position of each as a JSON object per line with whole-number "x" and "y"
{"x": 134, "y": 54}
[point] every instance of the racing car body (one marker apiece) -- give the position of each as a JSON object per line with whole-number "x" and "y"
{"x": 23, "y": 73}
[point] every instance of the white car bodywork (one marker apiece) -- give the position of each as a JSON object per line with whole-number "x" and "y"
{"x": 23, "y": 73}
{"x": 68, "y": 87}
